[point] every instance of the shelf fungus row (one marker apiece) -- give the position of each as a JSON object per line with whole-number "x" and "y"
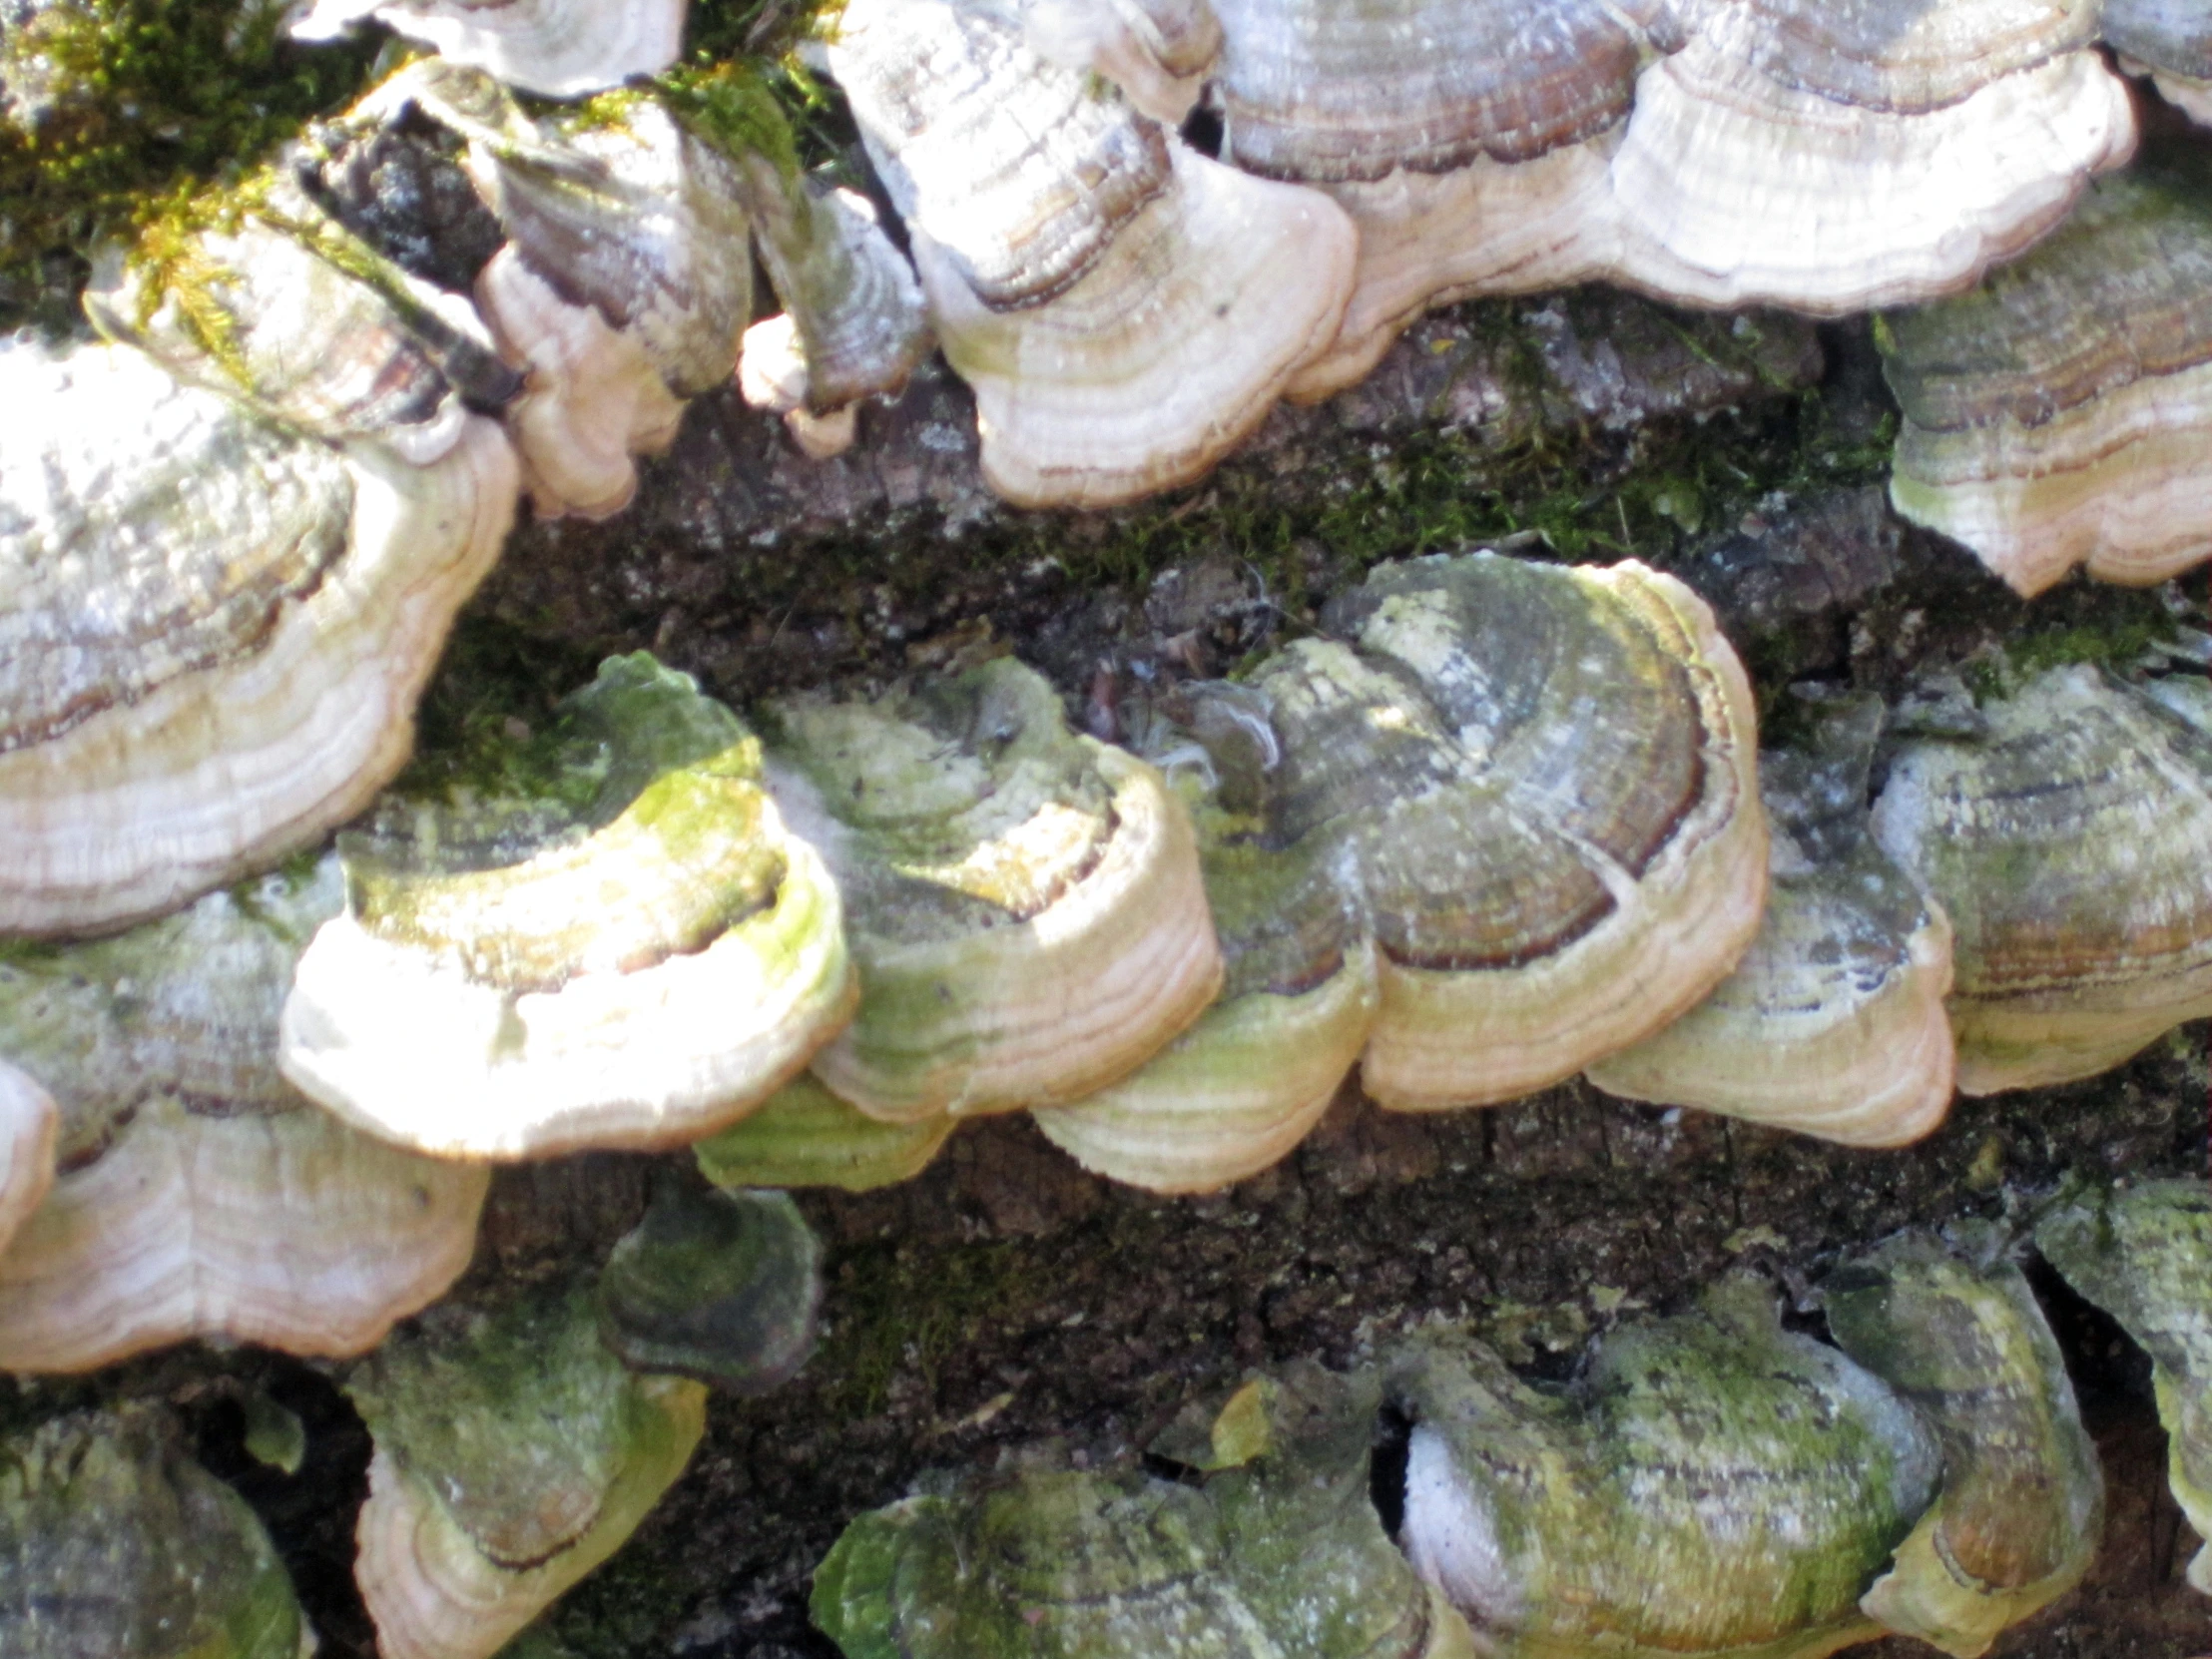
{"x": 1508, "y": 828}
{"x": 2061, "y": 413}
{"x": 2144, "y": 1254}
{"x": 1711, "y": 1486}
{"x": 1083, "y": 265}
{"x": 192, "y": 1192}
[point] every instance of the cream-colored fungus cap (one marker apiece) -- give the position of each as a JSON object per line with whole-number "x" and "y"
{"x": 2061, "y": 412}
{"x": 1545, "y": 781}
{"x": 215, "y": 633}
{"x": 2069, "y": 847}
{"x": 1468, "y": 143}
{"x": 1833, "y": 1023}
{"x": 2143, "y": 1253}
{"x": 197, "y": 1194}
{"x": 119, "y": 1546}
{"x": 1125, "y": 309}
{"x": 1157, "y": 51}
{"x": 1951, "y": 1325}
{"x": 561, "y": 48}
{"x": 29, "y": 1126}
{"x": 1832, "y": 158}
{"x": 1024, "y": 905}
{"x": 628, "y": 951}
{"x": 1243, "y": 1086}
{"x": 514, "y": 1454}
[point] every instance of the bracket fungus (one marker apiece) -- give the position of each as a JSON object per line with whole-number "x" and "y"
{"x": 2061, "y": 412}
{"x": 805, "y": 1136}
{"x": 1469, "y": 143}
{"x": 514, "y": 1454}
{"x": 1954, "y": 1328}
{"x": 1157, "y": 51}
{"x": 114, "y": 1543}
{"x": 625, "y": 282}
{"x": 216, "y": 631}
{"x": 629, "y": 951}
{"x": 2171, "y": 42}
{"x": 723, "y": 1287}
{"x": 197, "y": 1194}
{"x": 1274, "y": 1551}
{"x": 1024, "y": 905}
{"x": 1712, "y": 1485}
{"x": 1832, "y": 1022}
{"x": 2144, "y": 1254}
{"x": 1543, "y": 780}
{"x": 1829, "y": 158}
{"x": 29, "y": 1126}
{"x": 1125, "y": 309}
{"x": 560, "y": 48}
{"x": 2068, "y": 848}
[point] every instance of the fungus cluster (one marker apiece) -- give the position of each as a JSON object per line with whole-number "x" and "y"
{"x": 1492, "y": 823}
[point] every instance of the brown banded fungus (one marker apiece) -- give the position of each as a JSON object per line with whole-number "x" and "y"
{"x": 215, "y": 632}
{"x": 627, "y": 950}
{"x": 2061, "y": 412}
{"x": 1024, "y": 905}
{"x": 723, "y": 1287}
{"x": 561, "y": 48}
{"x": 1711, "y": 1486}
{"x": 2068, "y": 845}
{"x": 514, "y": 1454}
{"x": 625, "y": 282}
{"x": 1273, "y": 1551}
{"x": 1470, "y": 143}
{"x": 1954, "y": 1328}
{"x": 1829, "y": 158}
{"x": 2144, "y": 1254}
{"x": 1542, "y": 782}
{"x": 1125, "y": 309}
{"x": 115, "y": 1544}
{"x": 2171, "y": 42}
{"x": 197, "y": 1194}
{"x": 1833, "y": 1023}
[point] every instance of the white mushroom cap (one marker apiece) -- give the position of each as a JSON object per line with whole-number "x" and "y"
{"x": 28, "y": 1125}
{"x": 1768, "y": 163}
{"x": 164, "y": 744}
{"x": 1156, "y": 51}
{"x": 561, "y": 48}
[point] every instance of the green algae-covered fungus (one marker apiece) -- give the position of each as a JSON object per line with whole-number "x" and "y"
{"x": 1960, "y": 1335}
{"x": 1271, "y": 1551}
{"x": 805, "y": 1136}
{"x": 1024, "y": 903}
{"x": 2144, "y": 1254}
{"x": 723, "y": 1287}
{"x": 1712, "y": 1485}
{"x": 515, "y": 1453}
{"x": 632, "y": 952}
{"x": 114, "y": 1543}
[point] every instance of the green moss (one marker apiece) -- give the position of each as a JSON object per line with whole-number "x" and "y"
{"x": 889, "y": 1310}
{"x": 2110, "y": 641}
{"x": 151, "y": 101}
